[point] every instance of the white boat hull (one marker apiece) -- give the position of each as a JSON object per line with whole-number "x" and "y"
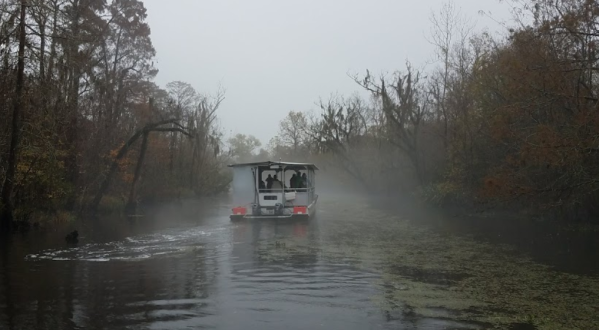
{"x": 296, "y": 212}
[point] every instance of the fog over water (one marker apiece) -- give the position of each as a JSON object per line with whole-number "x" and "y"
{"x": 465, "y": 200}
{"x": 359, "y": 264}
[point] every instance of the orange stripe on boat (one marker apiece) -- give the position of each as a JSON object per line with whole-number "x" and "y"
{"x": 240, "y": 210}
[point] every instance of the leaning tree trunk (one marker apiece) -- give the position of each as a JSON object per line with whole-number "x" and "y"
{"x": 115, "y": 164}
{"x": 194, "y": 154}
{"x": 153, "y": 127}
{"x": 6, "y": 218}
{"x": 131, "y": 206}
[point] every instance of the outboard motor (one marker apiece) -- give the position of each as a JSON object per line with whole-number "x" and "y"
{"x": 279, "y": 209}
{"x": 255, "y": 209}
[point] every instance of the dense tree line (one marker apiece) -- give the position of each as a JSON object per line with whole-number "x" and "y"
{"x": 83, "y": 123}
{"x": 508, "y": 120}
{"x": 511, "y": 120}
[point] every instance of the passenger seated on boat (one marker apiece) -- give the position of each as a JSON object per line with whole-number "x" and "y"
{"x": 298, "y": 180}
{"x": 276, "y": 184}
{"x": 304, "y": 181}
{"x": 261, "y": 185}
{"x": 292, "y": 181}
{"x": 269, "y": 181}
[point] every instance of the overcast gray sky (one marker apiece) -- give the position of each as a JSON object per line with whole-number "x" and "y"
{"x": 273, "y": 56}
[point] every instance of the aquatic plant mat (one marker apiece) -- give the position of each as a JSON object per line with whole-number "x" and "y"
{"x": 427, "y": 273}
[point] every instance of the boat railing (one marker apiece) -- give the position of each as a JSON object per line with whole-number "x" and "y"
{"x": 278, "y": 190}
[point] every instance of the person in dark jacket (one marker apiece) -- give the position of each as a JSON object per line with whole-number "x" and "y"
{"x": 304, "y": 181}
{"x": 292, "y": 181}
{"x": 269, "y": 181}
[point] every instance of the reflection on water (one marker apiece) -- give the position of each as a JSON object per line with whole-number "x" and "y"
{"x": 188, "y": 266}
{"x": 132, "y": 248}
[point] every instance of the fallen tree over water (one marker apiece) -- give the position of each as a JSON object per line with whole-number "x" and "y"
{"x": 143, "y": 132}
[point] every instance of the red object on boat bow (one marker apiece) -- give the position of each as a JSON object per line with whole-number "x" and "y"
{"x": 240, "y": 210}
{"x": 300, "y": 210}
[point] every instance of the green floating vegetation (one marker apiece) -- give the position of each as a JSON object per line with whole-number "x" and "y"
{"x": 485, "y": 283}
{"x": 445, "y": 276}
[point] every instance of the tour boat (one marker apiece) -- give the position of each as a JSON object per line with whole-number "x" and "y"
{"x": 273, "y": 190}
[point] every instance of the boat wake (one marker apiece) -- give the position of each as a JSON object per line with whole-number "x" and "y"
{"x": 129, "y": 249}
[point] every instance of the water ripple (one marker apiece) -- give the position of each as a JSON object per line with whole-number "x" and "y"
{"x": 129, "y": 249}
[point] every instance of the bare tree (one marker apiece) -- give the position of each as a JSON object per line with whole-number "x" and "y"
{"x": 449, "y": 34}
{"x": 405, "y": 107}
{"x": 153, "y": 127}
{"x": 81, "y": 73}
{"x": 292, "y": 130}
{"x": 7, "y": 189}
{"x": 339, "y": 130}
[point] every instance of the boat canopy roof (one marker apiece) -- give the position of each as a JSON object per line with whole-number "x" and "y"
{"x": 289, "y": 165}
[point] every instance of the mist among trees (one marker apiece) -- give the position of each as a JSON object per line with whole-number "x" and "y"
{"x": 86, "y": 123}
{"x": 509, "y": 121}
